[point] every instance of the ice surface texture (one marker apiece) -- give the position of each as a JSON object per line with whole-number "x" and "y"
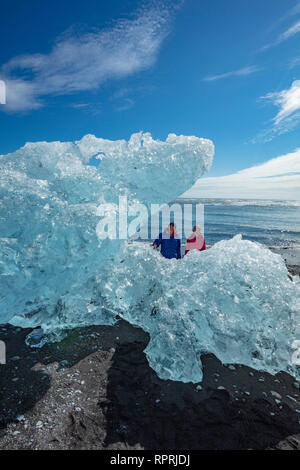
{"x": 234, "y": 300}
{"x": 51, "y": 261}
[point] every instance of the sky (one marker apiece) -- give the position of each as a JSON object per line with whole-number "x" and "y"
{"x": 227, "y": 71}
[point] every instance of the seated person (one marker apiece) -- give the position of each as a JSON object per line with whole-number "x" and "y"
{"x": 169, "y": 242}
{"x": 195, "y": 241}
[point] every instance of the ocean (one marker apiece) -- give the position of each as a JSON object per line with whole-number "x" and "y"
{"x": 273, "y": 223}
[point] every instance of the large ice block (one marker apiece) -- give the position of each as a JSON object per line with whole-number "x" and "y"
{"x": 235, "y": 300}
{"x": 51, "y": 260}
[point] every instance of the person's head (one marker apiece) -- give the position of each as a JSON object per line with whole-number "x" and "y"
{"x": 197, "y": 229}
{"x": 172, "y": 228}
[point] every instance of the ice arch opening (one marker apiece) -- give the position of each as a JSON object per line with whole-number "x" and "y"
{"x": 96, "y": 159}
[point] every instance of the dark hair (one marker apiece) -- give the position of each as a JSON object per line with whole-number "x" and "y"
{"x": 171, "y": 224}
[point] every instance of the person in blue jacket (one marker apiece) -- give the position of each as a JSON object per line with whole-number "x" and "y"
{"x": 169, "y": 242}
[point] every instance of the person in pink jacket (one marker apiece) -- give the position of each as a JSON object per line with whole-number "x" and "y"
{"x": 195, "y": 241}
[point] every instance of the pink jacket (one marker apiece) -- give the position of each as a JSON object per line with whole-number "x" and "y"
{"x": 195, "y": 242}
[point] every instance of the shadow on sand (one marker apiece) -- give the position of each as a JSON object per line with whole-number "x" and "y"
{"x": 157, "y": 414}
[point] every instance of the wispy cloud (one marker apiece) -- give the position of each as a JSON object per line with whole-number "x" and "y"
{"x": 293, "y": 11}
{"x": 288, "y": 116}
{"x": 235, "y": 73}
{"x": 287, "y": 34}
{"x": 290, "y": 32}
{"x": 93, "y": 108}
{"x": 287, "y": 100}
{"x": 278, "y": 178}
{"x": 124, "y": 98}
{"x": 84, "y": 62}
{"x": 79, "y": 105}
{"x": 294, "y": 62}
{"x": 127, "y": 103}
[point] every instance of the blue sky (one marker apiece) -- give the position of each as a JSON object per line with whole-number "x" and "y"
{"x": 226, "y": 71}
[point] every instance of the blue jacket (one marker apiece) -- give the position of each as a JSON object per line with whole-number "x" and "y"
{"x": 170, "y": 247}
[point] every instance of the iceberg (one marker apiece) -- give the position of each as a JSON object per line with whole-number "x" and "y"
{"x": 52, "y": 263}
{"x": 234, "y": 300}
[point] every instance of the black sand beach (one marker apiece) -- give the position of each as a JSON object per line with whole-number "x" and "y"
{"x": 95, "y": 390}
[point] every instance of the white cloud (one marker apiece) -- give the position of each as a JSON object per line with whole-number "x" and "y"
{"x": 21, "y": 95}
{"x": 288, "y": 116}
{"x": 84, "y": 62}
{"x": 290, "y": 32}
{"x": 235, "y": 73}
{"x": 278, "y": 178}
{"x": 287, "y": 100}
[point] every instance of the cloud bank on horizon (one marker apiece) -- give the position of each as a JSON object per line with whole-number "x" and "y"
{"x": 84, "y": 62}
{"x": 278, "y": 178}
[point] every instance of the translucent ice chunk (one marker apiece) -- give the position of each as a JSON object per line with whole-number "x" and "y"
{"x": 36, "y": 338}
{"x": 51, "y": 261}
{"x": 234, "y": 300}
